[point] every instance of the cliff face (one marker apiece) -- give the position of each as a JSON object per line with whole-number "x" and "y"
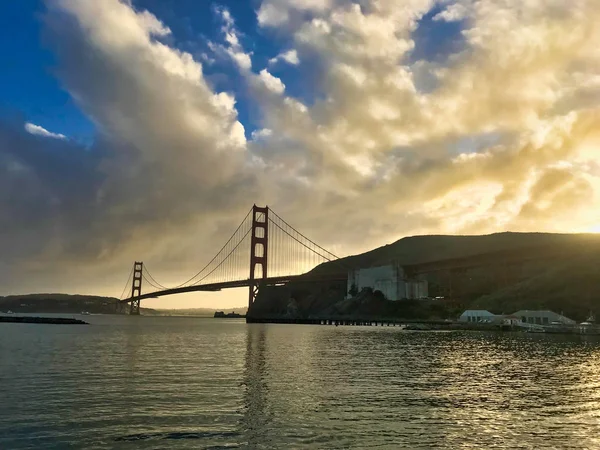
{"x": 565, "y": 282}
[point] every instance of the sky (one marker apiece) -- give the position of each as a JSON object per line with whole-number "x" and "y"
{"x": 146, "y": 129}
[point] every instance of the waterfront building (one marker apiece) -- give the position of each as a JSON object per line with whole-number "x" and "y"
{"x": 477, "y": 316}
{"x": 543, "y": 317}
{"x": 511, "y": 319}
{"x": 390, "y": 279}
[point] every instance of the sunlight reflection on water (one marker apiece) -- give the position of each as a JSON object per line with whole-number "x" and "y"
{"x": 139, "y": 382}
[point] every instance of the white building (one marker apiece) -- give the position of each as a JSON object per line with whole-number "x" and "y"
{"x": 523, "y": 318}
{"x": 511, "y": 319}
{"x": 389, "y": 279}
{"x": 477, "y": 315}
{"x": 543, "y": 317}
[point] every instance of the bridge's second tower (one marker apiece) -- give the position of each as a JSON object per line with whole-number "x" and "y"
{"x": 259, "y": 245}
{"x": 136, "y": 288}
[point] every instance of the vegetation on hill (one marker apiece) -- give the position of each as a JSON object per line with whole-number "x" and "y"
{"x": 58, "y": 303}
{"x": 75, "y": 304}
{"x": 570, "y": 286}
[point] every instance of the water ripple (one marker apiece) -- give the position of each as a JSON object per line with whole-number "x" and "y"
{"x": 175, "y": 436}
{"x": 136, "y": 383}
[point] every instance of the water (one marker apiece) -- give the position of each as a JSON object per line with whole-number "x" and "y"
{"x": 179, "y": 383}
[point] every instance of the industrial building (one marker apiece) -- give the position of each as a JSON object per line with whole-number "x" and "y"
{"x": 391, "y": 280}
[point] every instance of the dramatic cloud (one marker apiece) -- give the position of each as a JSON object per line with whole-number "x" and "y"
{"x": 41, "y": 131}
{"x": 501, "y": 133}
{"x": 170, "y": 153}
{"x": 410, "y": 156}
{"x": 290, "y": 57}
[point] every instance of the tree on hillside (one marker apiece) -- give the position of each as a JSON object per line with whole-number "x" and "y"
{"x": 353, "y": 291}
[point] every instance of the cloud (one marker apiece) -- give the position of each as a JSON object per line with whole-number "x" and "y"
{"x": 388, "y": 148}
{"x": 233, "y": 48}
{"x": 41, "y": 131}
{"x": 504, "y": 137}
{"x": 157, "y": 169}
{"x": 274, "y": 13}
{"x": 271, "y": 82}
{"x": 290, "y": 56}
{"x": 453, "y": 13}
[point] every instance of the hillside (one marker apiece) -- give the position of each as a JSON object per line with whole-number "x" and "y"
{"x": 422, "y": 249}
{"x": 567, "y": 281}
{"x": 58, "y": 303}
{"x": 571, "y": 286}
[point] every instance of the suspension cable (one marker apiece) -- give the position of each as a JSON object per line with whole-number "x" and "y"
{"x": 126, "y": 284}
{"x": 224, "y": 259}
{"x": 300, "y": 242}
{"x": 153, "y": 279}
{"x": 312, "y": 242}
{"x": 150, "y": 283}
{"x": 215, "y": 257}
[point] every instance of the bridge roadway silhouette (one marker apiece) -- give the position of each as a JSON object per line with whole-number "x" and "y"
{"x": 215, "y": 287}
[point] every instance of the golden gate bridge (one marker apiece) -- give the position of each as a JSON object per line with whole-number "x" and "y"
{"x": 264, "y": 250}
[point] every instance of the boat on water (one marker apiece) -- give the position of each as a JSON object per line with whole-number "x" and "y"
{"x": 9, "y": 312}
{"x": 589, "y": 326}
{"x": 85, "y": 313}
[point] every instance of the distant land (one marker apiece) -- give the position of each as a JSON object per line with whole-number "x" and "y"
{"x": 76, "y": 304}
{"x": 556, "y": 271}
{"x": 200, "y": 312}
{"x": 58, "y": 303}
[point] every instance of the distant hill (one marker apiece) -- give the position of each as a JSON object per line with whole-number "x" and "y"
{"x": 199, "y": 312}
{"x": 422, "y": 249}
{"x": 58, "y": 303}
{"x": 75, "y": 304}
{"x": 568, "y": 281}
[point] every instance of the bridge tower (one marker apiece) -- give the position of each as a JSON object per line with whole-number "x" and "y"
{"x": 136, "y": 288}
{"x": 259, "y": 244}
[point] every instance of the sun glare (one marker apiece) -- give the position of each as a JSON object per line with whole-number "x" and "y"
{"x": 594, "y": 229}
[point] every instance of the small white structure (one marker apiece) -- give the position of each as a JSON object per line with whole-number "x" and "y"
{"x": 389, "y": 279}
{"x": 477, "y": 316}
{"x": 543, "y": 317}
{"x": 511, "y": 319}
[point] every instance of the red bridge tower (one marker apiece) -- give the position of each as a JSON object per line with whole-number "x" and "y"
{"x": 136, "y": 288}
{"x": 259, "y": 245}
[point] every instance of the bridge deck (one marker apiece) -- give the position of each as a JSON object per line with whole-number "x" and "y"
{"x": 213, "y": 287}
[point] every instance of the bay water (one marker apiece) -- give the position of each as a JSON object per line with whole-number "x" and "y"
{"x": 189, "y": 383}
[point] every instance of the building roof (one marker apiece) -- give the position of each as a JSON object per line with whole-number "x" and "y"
{"x": 542, "y": 312}
{"x": 535, "y": 311}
